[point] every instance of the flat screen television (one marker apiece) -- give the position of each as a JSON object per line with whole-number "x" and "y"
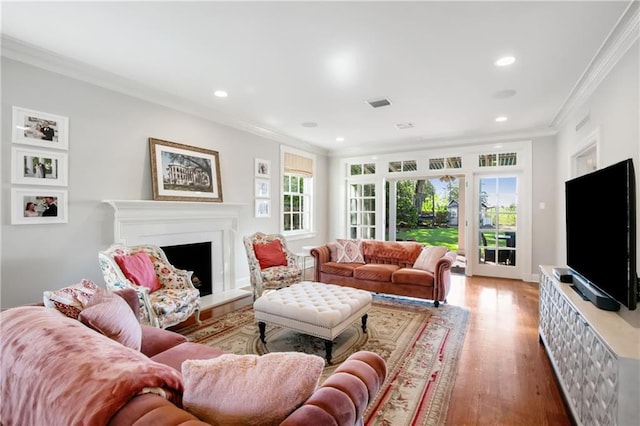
{"x": 601, "y": 234}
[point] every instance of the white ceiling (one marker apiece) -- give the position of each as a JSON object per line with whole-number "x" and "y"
{"x": 284, "y": 64}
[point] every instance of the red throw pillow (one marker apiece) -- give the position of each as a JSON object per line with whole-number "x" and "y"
{"x": 270, "y": 254}
{"x": 139, "y": 270}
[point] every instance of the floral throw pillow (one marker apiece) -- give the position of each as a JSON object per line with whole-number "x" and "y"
{"x": 349, "y": 251}
{"x": 73, "y": 299}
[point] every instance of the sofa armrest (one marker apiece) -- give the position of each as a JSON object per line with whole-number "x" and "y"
{"x": 151, "y": 409}
{"x": 156, "y": 340}
{"x": 345, "y": 395}
{"x": 321, "y": 255}
{"x": 442, "y": 276}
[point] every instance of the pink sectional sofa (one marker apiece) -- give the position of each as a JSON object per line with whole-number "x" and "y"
{"x": 56, "y": 370}
{"x": 387, "y": 267}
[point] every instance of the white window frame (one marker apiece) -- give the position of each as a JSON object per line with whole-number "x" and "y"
{"x": 309, "y": 192}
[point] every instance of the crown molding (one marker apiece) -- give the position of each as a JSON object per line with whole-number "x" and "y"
{"x": 618, "y": 42}
{"x": 20, "y": 51}
{"x": 422, "y": 143}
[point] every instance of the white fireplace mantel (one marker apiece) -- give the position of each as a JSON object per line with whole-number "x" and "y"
{"x": 165, "y": 223}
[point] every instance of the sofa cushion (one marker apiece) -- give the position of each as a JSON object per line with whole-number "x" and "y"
{"x": 429, "y": 258}
{"x": 156, "y": 340}
{"x": 412, "y": 276}
{"x": 270, "y": 254}
{"x": 340, "y": 269}
{"x": 375, "y": 272}
{"x": 109, "y": 314}
{"x": 139, "y": 270}
{"x": 72, "y": 299}
{"x": 349, "y": 251}
{"x": 277, "y": 383}
{"x": 402, "y": 253}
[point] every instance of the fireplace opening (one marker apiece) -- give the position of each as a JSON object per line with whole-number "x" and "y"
{"x": 194, "y": 257}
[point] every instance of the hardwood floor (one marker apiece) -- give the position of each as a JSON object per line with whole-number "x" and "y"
{"x": 505, "y": 377}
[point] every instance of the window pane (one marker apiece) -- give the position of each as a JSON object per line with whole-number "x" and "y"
{"x": 296, "y": 203}
{"x": 369, "y": 205}
{"x": 294, "y": 184}
{"x": 369, "y": 190}
{"x": 285, "y": 183}
{"x": 296, "y": 221}
{"x": 354, "y": 233}
{"x": 370, "y": 169}
{"x": 353, "y": 205}
{"x": 409, "y": 166}
{"x": 356, "y": 190}
{"x": 507, "y": 185}
{"x": 395, "y": 166}
{"x": 508, "y": 159}
{"x": 436, "y": 163}
{"x": 487, "y": 160}
{"x": 454, "y": 162}
{"x": 287, "y": 203}
{"x": 354, "y": 219}
{"x": 356, "y": 169}
{"x": 287, "y": 222}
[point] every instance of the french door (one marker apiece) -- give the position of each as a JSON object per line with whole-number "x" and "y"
{"x": 497, "y": 217}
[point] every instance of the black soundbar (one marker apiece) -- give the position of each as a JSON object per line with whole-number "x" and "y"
{"x": 563, "y": 274}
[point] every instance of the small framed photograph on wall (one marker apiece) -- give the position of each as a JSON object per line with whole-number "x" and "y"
{"x": 38, "y": 206}
{"x": 38, "y": 167}
{"x": 263, "y": 188}
{"x": 40, "y": 129}
{"x": 262, "y": 168}
{"x": 263, "y": 208}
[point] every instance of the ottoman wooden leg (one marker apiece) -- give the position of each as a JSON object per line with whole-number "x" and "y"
{"x": 262, "y": 327}
{"x": 328, "y": 347}
{"x": 364, "y": 322}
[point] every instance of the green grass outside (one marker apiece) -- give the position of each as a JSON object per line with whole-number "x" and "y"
{"x": 447, "y": 237}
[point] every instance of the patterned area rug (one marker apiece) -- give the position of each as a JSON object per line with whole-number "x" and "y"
{"x": 420, "y": 343}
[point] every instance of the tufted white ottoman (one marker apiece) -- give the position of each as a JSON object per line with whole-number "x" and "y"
{"x": 317, "y": 309}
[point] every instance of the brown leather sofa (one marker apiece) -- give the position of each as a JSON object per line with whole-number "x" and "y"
{"x": 339, "y": 400}
{"x": 387, "y": 268}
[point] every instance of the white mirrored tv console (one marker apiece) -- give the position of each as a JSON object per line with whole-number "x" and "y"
{"x": 595, "y": 355}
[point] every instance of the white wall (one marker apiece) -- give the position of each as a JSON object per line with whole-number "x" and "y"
{"x": 543, "y": 247}
{"x": 614, "y": 110}
{"x": 109, "y": 159}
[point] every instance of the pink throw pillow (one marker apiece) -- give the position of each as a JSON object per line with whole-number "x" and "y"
{"x": 111, "y": 315}
{"x": 270, "y": 254}
{"x": 429, "y": 257}
{"x": 139, "y": 270}
{"x": 215, "y": 390}
{"x": 349, "y": 251}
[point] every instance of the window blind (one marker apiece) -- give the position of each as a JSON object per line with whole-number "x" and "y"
{"x": 298, "y": 165}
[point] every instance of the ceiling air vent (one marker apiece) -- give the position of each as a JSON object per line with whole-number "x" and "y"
{"x": 377, "y": 103}
{"x": 402, "y": 126}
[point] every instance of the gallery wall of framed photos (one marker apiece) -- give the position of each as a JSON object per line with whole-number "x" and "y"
{"x": 39, "y": 167}
{"x": 262, "y": 188}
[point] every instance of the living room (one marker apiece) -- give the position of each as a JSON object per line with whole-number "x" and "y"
{"x": 111, "y": 119}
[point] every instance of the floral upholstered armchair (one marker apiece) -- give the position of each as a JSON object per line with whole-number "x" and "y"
{"x": 271, "y": 264}
{"x": 167, "y": 295}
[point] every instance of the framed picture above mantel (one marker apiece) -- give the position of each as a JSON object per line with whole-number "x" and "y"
{"x": 184, "y": 173}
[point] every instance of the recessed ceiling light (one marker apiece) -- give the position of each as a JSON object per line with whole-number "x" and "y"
{"x": 503, "y": 62}
{"x": 309, "y": 124}
{"x": 220, "y": 94}
{"x": 339, "y": 139}
{"x": 501, "y": 119}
